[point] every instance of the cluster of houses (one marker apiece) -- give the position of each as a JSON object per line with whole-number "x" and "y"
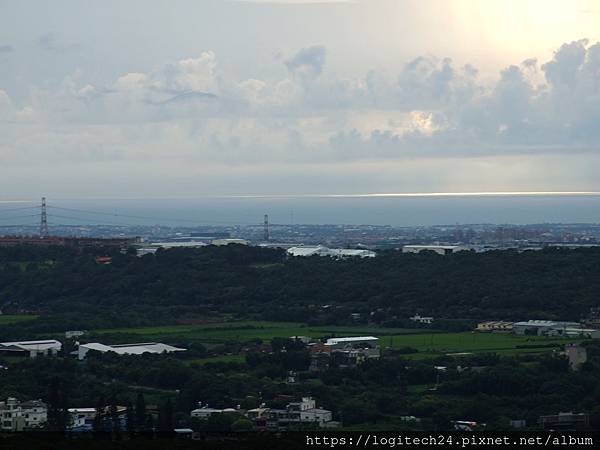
{"x": 341, "y": 352}
{"x": 297, "y": 413}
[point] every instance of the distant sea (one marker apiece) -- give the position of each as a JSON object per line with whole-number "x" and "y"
{"x": 373, "y": 210}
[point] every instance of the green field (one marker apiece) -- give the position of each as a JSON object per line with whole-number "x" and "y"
{"x": 427, "y": 343}
{"x": 430, "y": 345}
{"x": 241, "y": 332}
{"x": 6, "y": 319}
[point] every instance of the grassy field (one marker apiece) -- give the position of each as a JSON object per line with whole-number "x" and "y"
{"x": 427, "y": 343}
{"x": 6, "y": 319}
{"x": 241, "y": 332}
{"x": 430, "y": 345}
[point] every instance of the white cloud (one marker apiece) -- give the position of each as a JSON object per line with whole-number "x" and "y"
{"x": 191, "y": 110}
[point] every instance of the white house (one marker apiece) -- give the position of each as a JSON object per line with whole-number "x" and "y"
{"x": 19, "y": 416}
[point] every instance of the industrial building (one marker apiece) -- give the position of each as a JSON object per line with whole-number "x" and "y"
{"x": 320, "y": 250}
{"x": 541, "y": 327}
{"x": 32, "y": 349}
{"x": 439, "y": 249}
{"x": 127, "y": 349}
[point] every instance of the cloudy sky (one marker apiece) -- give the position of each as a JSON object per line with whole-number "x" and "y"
{"x": 223, "y": 97}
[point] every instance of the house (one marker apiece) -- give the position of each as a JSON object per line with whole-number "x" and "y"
{"x": 295, "y": 413}
{"x": 32, "y": 349}
{"x": 127, "y": 349}
{"x": 494, "y": 326}
{"x": 81, "y": 419}
{"x": 19, "y": 416}
{"x": 420, "y": 319}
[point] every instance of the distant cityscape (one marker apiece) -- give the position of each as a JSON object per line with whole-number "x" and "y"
{"x": 484, "y": 236}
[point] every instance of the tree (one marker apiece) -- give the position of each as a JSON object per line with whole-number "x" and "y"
{"x": 140, "y": 412}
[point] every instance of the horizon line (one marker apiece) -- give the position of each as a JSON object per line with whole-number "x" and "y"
{"x": 348, "y": 195}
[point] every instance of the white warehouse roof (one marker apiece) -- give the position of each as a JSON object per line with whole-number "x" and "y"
{"x": 128, "y": 349}
{"x": 324, "y": 251}
{"x": 335, "y": 341}
{"x": 32, "y": 345}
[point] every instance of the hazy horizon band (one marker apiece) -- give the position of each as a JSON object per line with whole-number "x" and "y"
{"x": 363, "y": 195}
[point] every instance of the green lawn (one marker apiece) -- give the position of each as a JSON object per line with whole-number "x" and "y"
{"x": 241, "y": 331}
{"x": 6, "y": 319}
{"x": 430, "y": 345}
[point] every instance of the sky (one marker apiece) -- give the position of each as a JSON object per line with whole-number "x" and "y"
{"x": 194, "y": 98}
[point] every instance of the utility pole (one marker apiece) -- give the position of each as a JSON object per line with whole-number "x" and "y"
{"x": 266, "y": 229}
{"x": 44, "y": 220}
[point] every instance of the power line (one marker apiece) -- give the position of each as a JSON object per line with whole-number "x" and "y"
{"x": 18, "y": 209}
{"x": 19, "y": 217}
{"x": 130, "y": 216}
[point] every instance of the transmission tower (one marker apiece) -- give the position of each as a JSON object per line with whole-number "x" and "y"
{"x": 266, "y": 228}
{"x": 44, "y": 220}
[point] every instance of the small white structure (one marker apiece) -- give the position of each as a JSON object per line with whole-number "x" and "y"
{"x": 49, "y": 347}
{"x": 73, "y": 334}
{"x": 439, "y": 249}
{"x": 127, "y": 349}
{"x": 420, "y": 319}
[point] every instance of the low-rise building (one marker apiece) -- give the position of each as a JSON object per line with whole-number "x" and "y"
{"x": 494, "y": 326}
{"x": 366, "y": 345}
{"x": 32, "y": 349}
{"x": 541, "y": 327}
{"x": 19, "y": 416}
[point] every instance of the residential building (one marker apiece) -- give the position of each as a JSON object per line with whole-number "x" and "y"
{"x": 127, "y": 349}
{"x": 32, "y": 349}
{"x": 19, "y": 416}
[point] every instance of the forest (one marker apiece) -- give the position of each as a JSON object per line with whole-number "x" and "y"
{"x": 68, "y": 289}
